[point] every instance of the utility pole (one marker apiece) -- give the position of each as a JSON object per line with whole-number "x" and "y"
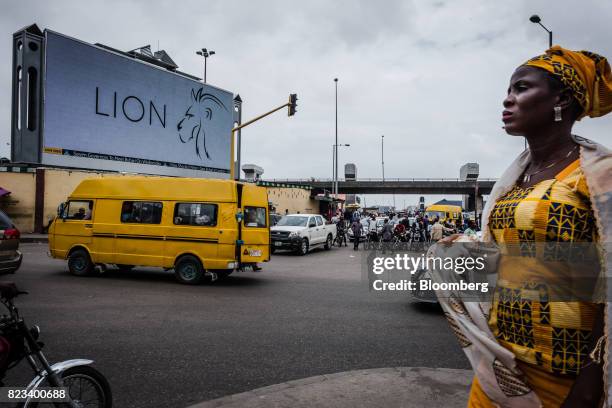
{"x": 382, "y": 155}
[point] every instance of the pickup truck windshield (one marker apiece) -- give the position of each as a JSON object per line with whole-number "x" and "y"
{"x": 292, "y": 222}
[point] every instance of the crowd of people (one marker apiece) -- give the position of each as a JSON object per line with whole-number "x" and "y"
{"x": 390, "y": 227}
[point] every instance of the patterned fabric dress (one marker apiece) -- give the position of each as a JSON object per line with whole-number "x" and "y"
{"x": 550, "y": 339}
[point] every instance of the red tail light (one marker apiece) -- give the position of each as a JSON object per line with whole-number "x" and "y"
{"x": 11, "y": 233}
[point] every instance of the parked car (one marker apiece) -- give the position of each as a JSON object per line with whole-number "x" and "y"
{"x": 10, "y": 256}
{"x": 301, "y": 232}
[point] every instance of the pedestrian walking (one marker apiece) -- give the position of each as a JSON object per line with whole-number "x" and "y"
{"x": 438, "y": 230}
{"x": 387, "y": 234}
{"x": 357, "y": 228}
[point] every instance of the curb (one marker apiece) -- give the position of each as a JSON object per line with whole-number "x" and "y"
{"x": 444, "y": 384}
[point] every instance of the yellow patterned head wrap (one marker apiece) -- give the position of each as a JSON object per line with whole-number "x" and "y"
{"x": 585, "y": 73}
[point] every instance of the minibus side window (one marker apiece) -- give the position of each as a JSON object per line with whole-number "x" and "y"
{"x": 199, "y": 214}
{"x": 255, "y": 217}
{"x": 141, "y": 212}
{"x": 78, "y": 210}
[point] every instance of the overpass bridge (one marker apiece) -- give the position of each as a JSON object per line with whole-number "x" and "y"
{"x": 396, "y": 185}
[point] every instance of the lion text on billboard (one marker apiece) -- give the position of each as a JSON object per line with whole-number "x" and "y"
{"x": 104, "y": 110}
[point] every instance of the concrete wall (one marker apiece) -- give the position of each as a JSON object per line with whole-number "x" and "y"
{"x": 59, "y": 184}
{"x": 292, "y": 199}
{"x": 19, "y": 205}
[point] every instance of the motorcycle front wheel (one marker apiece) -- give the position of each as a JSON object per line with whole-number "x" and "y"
{"x": 87, "y": 387}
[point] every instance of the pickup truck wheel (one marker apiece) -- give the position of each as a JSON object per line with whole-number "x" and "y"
{"x": 79, "y": 263}
{"x": 188, "y": 270}
{"x": 329, "y": 242}
{"x": 303, "y": 250}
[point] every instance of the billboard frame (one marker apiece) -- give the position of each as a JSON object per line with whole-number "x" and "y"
{"x": 28, "y": 147}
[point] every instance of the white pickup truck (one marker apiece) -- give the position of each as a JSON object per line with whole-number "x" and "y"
{"x": 301, "y": 232}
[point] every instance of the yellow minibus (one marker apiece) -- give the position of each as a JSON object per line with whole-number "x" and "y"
{"x": 444, "y": 212}
{"x": 201, "y": 228}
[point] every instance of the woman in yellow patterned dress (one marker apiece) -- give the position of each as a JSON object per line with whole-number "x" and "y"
{"x": 553, "y": 342}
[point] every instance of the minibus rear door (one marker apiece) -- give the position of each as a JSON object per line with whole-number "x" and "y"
{"x": 254, "y": 228}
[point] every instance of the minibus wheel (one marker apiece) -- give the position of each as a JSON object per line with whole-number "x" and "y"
{"x": 79, "y": 263}
{"x": 188, "y": 269}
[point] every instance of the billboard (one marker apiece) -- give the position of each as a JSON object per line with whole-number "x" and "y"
{"x": 104, "y": 110}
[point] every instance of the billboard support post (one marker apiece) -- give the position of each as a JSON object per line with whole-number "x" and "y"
{"x": 238, "y": 122}
{"x": 289, "y": 104}
{"x": 27, "y": 106}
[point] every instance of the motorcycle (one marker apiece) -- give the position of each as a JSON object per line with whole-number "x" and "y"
{"x": 81, "y": 385}
{"x": 417, "y": 240}
{"x": 340, "y": 235}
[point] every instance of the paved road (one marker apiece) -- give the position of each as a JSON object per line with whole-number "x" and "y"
{"x": 162, "y": 344}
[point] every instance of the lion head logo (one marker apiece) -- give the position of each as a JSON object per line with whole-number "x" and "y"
{"x": 193, "y": 125}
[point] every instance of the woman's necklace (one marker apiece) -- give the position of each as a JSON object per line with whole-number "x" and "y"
{"x": 527, "y": 177}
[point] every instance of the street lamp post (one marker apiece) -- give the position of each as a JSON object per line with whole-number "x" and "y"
{"x": 205, "y": 53}
{"x": 333, "y": 168}
{"x": 238, "y": 122}
{"x": 382, "y": 155}
{"x": 537, "y": 20}
{"x": 336, "y": 144}
{"x": 335, "y": 157}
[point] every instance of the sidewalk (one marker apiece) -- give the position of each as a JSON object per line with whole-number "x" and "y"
{"x": 405, "y": 387}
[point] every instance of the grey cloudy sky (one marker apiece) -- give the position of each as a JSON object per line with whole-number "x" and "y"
{"x": 429, "y": 75}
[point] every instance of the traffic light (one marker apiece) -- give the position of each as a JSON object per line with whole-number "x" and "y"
{"x": 292, "y": 104}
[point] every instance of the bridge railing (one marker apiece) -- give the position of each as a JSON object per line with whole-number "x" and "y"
{"x": 329, "y": 180}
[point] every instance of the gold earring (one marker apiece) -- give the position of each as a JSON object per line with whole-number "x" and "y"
{"x": 557, "y": 110}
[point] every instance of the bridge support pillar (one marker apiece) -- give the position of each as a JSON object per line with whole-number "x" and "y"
{"x": 473, "y": 202}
